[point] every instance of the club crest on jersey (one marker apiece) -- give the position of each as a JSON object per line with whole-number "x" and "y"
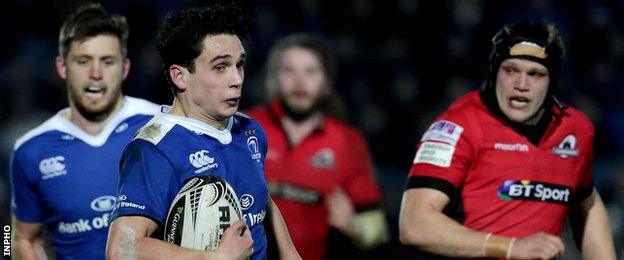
{"x": 567, "y": 147}
{"x": 52, "y": 167}
{"x": 323, "y": 159}
{"x": 536, "y": 191}
{"x": 443, "y": 131}
{"x": 202, "y": 161}
{"x": 254, "y": 148}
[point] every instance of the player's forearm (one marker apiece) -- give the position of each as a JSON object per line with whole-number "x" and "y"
{"x": 150, "y": 248}
{"x": 25, "y": 249}
{"x": 284, "y": 242}
{"x": 438, "y": 234}
{"x": 422, "y": 224}
{"x": 27, "y": 240}
{"x": 129, "y": 239}
{"x": 597, "y": 242}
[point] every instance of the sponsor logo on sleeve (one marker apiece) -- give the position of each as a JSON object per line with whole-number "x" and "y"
{"x": 122, "y": 203}
{"x": 253, "y": 219}
{"x": 437, "y": 154}
{"x": 567, "y": 147}
{"x": 52, "y": 167}
{"x": 246, "y": 201}
{"x": 202, "y": 161}
{"x": 443, "y": 131}
{"x": 536, "y": 191}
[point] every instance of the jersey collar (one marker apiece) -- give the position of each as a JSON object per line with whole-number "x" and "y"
{"x": 223, "y": 136}
{"x": 130, "y": 108}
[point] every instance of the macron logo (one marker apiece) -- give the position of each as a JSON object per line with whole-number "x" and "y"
{"x": 511, "y": 147}
{"x": 52, "y": 167}
{"x": 202, "y": 161}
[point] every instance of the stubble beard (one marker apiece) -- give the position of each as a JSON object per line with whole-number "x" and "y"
{"x": 94, "y": 114}
{"x": 301, "y": 114}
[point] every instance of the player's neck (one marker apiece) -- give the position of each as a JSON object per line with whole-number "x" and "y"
{"x": 178, "y": 109}
{"x": 92, "y": 127}
{"x": 297, "y": 131}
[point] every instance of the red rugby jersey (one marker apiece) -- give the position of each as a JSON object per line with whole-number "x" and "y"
{"x": 335, "y": 155}
{"x": 507, "y": 185}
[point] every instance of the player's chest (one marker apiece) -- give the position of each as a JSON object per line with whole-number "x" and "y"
{"x": 78, "y": 187}
{"x": 517, "y": 167}
{"x": 240, "y": 163}
{"x": 312, "y": 165}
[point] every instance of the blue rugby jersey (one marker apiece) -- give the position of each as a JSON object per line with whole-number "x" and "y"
{"x": 67, "y": 179}
{"x": 171, "y": 149}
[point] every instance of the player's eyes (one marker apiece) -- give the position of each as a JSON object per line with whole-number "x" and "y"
{"x": 240, "y": 64}
{"x": 220, "y": 68}
{"x": 537, "y": 74}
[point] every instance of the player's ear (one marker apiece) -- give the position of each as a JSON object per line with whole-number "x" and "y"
{"x": 178, "y": 76}
{"x": 61, "y": 67}
{"x": 126, "y": 67}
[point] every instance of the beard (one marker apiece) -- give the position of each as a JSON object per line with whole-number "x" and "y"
{"x": 298, "y": 114}
{"x": 91, "y": 112}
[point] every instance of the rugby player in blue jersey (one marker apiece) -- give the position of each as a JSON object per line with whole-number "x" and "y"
{"x": 200, "y": 135}
{"x": 64, "y": 172}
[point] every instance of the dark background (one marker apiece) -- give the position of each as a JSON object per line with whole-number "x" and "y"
{"x": 401, "y": 63}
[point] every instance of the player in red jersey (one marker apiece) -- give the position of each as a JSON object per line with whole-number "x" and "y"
{"x": 318, "y": 168}
{"x": 518, "y": 160}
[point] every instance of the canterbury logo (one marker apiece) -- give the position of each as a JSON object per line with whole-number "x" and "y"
{"x": 200, "y": 159}
{"x": 52, "y": 167}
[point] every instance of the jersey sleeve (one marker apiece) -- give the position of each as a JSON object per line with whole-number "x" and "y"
{"x": 145, "y": 182}
{"x": 360, "y": 185}
{"x": 586, "y": 185}
{"x": 444, "y": 155}
{"x": 26, "y": 202}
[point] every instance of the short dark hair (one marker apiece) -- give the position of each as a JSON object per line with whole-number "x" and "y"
{"x": 179, "y": 39}
{"x": 91, "y": 20}
{"x": 305, "y": 41}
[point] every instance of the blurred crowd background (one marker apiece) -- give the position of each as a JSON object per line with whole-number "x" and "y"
{"x": 401, "y": 63}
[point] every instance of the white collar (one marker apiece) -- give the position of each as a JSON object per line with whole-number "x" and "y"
{"x": 132, "y": 106}
{"x": 223, "y": 136}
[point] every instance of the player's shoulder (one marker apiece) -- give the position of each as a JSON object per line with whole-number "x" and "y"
{"x": 40, "y": 135}
{"x": 467, "y": 104}
{"x": 137, "y": 106}
{"x": 465, "y": 110}
{"x": 245, "y": 121}
{"x": 577, "y": 118}
{"x": 155, "y": 130}
{"x": 463, "y": 118}
{"x": 261, "y": 115}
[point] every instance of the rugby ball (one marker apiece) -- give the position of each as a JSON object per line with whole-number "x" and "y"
{"x": 201, "y": 211}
